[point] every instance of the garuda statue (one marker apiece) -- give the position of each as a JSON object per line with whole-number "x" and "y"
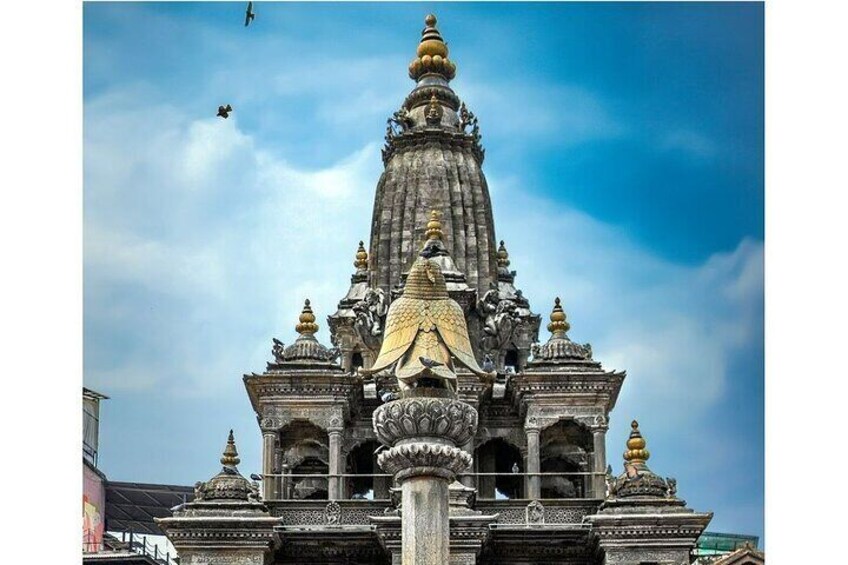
{"x": 424, "y": 328}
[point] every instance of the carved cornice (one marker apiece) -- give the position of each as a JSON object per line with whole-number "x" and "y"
{"x": 432, "y": 136}
{"x": 530, "y": 386}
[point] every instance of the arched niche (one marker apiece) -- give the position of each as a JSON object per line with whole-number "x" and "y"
{"x": 304, "y": 451}
{"x": 499, "y": 456}
{"x": 565, "y": 448}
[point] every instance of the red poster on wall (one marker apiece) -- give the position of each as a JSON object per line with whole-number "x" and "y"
{"x": 93, "y": 511}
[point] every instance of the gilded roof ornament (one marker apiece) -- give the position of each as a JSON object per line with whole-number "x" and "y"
{"x": 361, "y": 261}
{"x": 560, "y": 349}
{"x": 503, "y": 256}
{"x": 636, "y": 452}
{"x": 230, "y": 457}
{"x": 432, "y": 54}
{"x": 434, "y": 226}
{"x": 307, "y": 323}
{"x": 637, "y": 480}
{"x": 228, "y": 484}
{"x": 558, "y": 322}
{"x": 306, "y": 350}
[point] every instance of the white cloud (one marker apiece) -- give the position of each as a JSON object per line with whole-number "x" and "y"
{"x": 673, "y": 327}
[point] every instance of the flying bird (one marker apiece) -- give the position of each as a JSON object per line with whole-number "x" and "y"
{"x": 249, "y": 15}
{"x": 224, "y": 111}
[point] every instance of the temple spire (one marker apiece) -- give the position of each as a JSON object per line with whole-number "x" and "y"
{"x": 230, "y": 457}
{"x": 432, "y": 54}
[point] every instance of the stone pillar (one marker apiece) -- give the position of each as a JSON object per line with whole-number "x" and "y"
{"x": 335, "y": 487}
{"x": 468, "y": 480}
{"x": 269, "y": 440}
{"x": 599, "y": 461}
{"x": 422, "y": 430}
{"x": 381, "y": 484}
{"x": 534, "y": 465}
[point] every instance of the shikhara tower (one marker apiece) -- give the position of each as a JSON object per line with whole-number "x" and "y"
{"x": 538, "y": 490}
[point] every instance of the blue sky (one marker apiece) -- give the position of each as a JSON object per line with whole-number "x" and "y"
{"x": 628, "y": 137}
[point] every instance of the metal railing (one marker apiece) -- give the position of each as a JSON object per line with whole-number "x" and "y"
{"x": 283, "y": 485}
{"x": 130, "y": 542}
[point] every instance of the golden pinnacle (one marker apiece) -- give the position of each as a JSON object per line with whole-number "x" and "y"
{"x": 558, "y": 322}
{"x": 434, "y": 226}
{"x": 307, "y": 323}
{"x": 503, "y": 256}
{"x": 230, "y": 458}
{"x": 432, "y": 53}
{"x": 636, "y": 452}
{"x": 361, "y": 261}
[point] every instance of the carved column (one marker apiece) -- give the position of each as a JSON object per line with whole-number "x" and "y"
{"x": 468, "y": 480}
{"x": 336, "y": 465}
{"x": 269, "y": 439}
{"x": 534, "y": 465}
{"x": 599, "y": 461}
{"x": 381, "y": 484}
{"x": 423, "y": 431}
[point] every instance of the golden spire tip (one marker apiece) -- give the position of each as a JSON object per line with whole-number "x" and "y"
{"x": 361, "y": 261}
{"x": 636, "y": 452}
{"x": 434, "y": 226}
{"x": 307, "y": 323}
{"x": 558, "y": 321}
{"x": 230, "y": 456}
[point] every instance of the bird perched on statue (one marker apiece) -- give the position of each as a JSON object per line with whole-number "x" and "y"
{"x": 488, "y": 364}
{"x": 256, "y": 477}
{"x": 224, "y": 111}
{"x": 249, "y": 15}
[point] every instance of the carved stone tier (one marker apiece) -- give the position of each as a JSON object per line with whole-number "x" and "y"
{"x": 422, "y": 431}
{"x": 418, "y": 417}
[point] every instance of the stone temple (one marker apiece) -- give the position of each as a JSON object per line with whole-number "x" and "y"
{"x": 489, "y": 447}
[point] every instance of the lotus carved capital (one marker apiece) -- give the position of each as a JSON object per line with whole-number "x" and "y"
{"x": 416, "y": 418}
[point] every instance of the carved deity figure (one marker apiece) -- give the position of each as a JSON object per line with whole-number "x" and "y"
{"x": 501, "y": 319}
{"x": 370, "y": 312}
{"x": 425, "y": 329}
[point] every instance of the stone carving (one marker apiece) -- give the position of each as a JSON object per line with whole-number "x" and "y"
{"x": 413, "y": 459}
{"x": 466, "y": 119}
{"x": 672, "y": 487}
{"x": 434, "y": 112}
{"x": 333, "y": 514}
{"x": 277, "y": 350}
{"x": 535, "y": 513}
{"x": 370, "y": 313}
{"x": 425, "y": 417}
{"x": 501, "y": 319}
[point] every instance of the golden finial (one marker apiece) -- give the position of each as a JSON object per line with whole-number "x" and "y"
{"x": 558, "y": 322}
{"x": 434, "y": 226}
{"x": 636, "y": 452}
{"x": 503, "y": 256}
{"x": 361, "y": 257}
{"x": 432, "y": 53}
{"x": 230, "y": 458}
{"x": 307, "y": 323}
